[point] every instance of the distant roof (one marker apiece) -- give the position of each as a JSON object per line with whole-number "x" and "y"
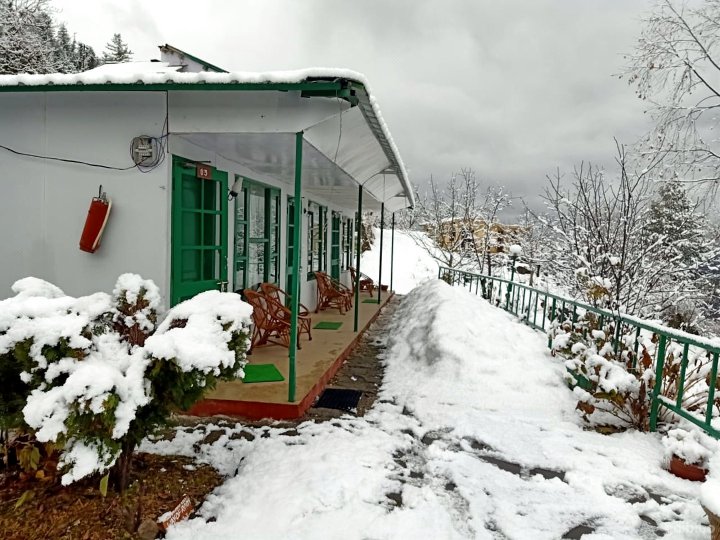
{"x": 167, "y": 48}
{"x": 152, "y": 76}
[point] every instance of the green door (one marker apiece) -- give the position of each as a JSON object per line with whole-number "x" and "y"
{"x": 199, "y": 231}
{"x": 335, "y": 246}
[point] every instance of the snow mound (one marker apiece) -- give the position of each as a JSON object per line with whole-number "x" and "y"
{"x": 459, "y": 349}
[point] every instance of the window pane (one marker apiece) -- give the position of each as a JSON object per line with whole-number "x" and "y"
{"x": 190, "y": 192}
{"x": 191, "y": 229}
{"x": 240, "y": 205}
{"x": 211, "y": 264}
{"x": 256, "y": 264}
{"x": 211, "y": 230}
{"x": 191, "y": 265}
{"x": 239, "y": 275}
{"x": 211, "y": 194}
{"x": 256, "y": 211}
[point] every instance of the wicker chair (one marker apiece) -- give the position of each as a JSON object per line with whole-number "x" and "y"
{"x": 331, "y": 293}
{"x": 276, "y": 293}
{"x": 366, "y": 283}
{"x": 271, "y": 320}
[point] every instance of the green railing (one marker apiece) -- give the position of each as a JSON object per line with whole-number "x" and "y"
{"x": 682, "y": 361}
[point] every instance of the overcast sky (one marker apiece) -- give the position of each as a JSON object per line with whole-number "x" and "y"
{"x": 510, "y": 88}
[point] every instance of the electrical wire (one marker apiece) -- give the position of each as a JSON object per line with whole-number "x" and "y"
{"x": 65, "y": 160}
{"x": 159, "y": 147}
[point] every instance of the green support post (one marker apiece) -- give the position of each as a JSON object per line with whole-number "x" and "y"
{"x": 637, "y": 347}
{"x": 658, "y": 382}
{"x": 711, "y": 390}
{"x": 681, "y": 380}
{"x": 552, "y": 319}
{"x": 382, "y": 228}
{"x": 295, "y": 289}
{"x": 357, "y": 258}
{"x": 618, "y": 327}
{"x": 508, "y": 291}
{"x": 392, "y": 251}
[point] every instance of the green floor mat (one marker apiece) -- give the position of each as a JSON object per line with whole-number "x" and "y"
{"x": 262, "y": 373}
{"x": 327, "y": 325}
{"x": 370, "y": 301}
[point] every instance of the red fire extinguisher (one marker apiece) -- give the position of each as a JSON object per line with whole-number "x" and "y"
{"x": 95, "y": 223}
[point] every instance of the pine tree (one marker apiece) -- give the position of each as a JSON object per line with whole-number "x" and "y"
{"x": 117, "y": 51}
{"x": 85, "y": 57}
{"x": 64, "y": 52}
{"x": 675, "y": 226}
{"x": 684, "y": 243}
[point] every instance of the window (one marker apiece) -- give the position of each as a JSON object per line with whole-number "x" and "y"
{"x": 347, "y": 244}
{"x": 316, "y": 240}
{"x": 335, "y": 256}
{"x": 257, "y": 235}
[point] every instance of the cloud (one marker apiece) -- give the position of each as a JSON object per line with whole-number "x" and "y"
{"x": 512, "y": 89}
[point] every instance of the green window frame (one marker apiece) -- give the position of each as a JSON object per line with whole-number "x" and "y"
{"x": 348, "y": 244}
{"x": 257, "y": 235}
{"x": 316, "y": 239}
{"x": 335, "y": 253}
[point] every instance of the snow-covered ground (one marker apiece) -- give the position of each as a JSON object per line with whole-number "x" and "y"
{"x": 413, "y": 264}
{"x": 474, "y": 435}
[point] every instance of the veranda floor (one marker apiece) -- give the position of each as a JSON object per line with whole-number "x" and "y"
{"x": 316, "y": 363}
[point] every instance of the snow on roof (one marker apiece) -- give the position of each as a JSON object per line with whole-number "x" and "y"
{"x": 151, "y": 73}
{"x": 130, "y": 68}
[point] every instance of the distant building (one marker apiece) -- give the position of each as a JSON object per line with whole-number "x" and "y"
{"x": 458, "y": 232}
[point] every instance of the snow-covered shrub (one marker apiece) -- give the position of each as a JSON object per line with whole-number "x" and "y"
{"x": 612, "y": 388}
{"x": 101, "y": 375}
{"x": 690, "y": 444}
{"x": 614, "y": 383}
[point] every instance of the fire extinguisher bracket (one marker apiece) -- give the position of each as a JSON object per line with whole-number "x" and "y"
{"x": 95, "y": 222}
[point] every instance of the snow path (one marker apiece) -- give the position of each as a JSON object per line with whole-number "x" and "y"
{"x": 474, "y": 435}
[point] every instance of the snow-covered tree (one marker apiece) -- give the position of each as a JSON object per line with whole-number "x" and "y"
{"x": 84, "y": 58}
{"x": 618, "y": 247}
{"x": 600, "y": 237}
{"x": 29, "y": 42}
{"x": 117, "y": 51}
{"x": 675, "y": 224}
{"x": 64, "y": 51}
{"x": 675, "y": 67}
{"x": 460, "y": 222}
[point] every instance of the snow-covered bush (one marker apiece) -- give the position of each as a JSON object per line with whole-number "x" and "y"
{"x": 101, "y": 374}
{"x": 608, "y": 392}
{"x": 613, "y": 382}
{"x": 690, "y": 444}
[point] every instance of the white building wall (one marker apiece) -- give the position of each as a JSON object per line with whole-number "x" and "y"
{"x": 43, "y": 203}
